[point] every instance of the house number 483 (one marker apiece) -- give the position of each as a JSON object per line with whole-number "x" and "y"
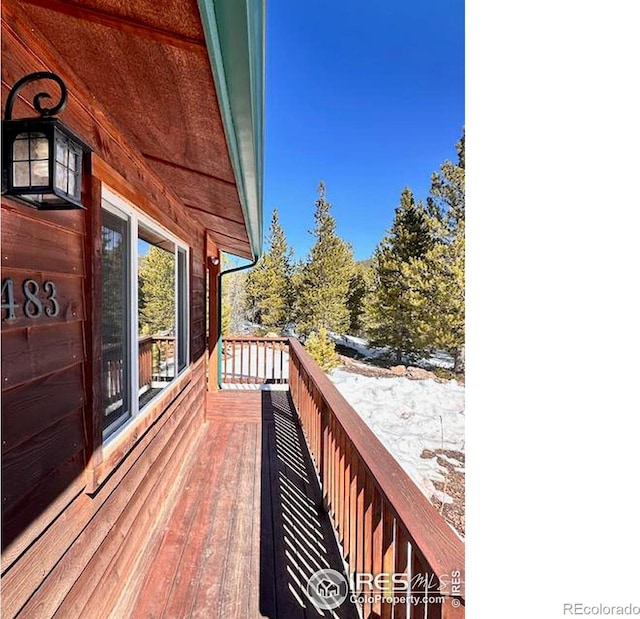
{"x": 35, "y": 302}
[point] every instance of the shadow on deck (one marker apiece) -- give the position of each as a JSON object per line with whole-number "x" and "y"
{"x": 247, "y": 530}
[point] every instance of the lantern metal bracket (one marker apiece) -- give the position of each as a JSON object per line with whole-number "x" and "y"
{"x": 49, "y": 179}
{"x": 37, "y": 99}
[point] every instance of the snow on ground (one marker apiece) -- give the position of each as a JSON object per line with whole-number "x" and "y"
{"x": 439, "y": 358}
{"x": 409, "y": 416}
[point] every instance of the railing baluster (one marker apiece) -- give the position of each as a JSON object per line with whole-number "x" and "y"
{"x": 346, "y": 492}
{"x": 353, "y": 512}
{"x": 333, "y": 480}
{"x": 377, "y": 542}
{"x": 401, "y": 565}
{"x": 418, "y": 570}
{"x": 340, "y": 488}
{"x": 367, "y": 567}
{"x": 360, "y": 486}
{"x": 387, "y": 558}
{"x": 264, "y": 351}
{"x": 233, "y": 361}
{"x": 377, "y": 511}
{"x": 246, "y": 360}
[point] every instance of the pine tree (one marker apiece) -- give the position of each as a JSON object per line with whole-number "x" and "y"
{"x": 359, "y": 286}
{"x": 156, "y": 276}
{"x": 439, "y": 276}
{"x": 323, "y": 283}
{"x": 322, "y": 349}
{"x": 393, "y": 308}
{"x": 268, "y": 286}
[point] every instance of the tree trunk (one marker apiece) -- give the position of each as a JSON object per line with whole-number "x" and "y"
{"x": 458, "y": 363}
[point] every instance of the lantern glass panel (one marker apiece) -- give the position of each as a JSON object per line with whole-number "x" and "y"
{"x": 31, "y": 160}
{"x": 72, "y": 184}
{"x": 39, "y": 147}
{"x": 21, "y": 174}
{"x": 68, "y": 167}
{"x": 21, "y": 147}
{"x": 61, "y": 152}
{"x": 61, "y": 177}
{"x": 40, "y": 173}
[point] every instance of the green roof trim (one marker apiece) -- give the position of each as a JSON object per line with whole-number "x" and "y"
{"x": 235, "y": 35}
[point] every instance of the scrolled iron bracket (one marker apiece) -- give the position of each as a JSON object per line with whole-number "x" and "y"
{"x": 37, "y": 100}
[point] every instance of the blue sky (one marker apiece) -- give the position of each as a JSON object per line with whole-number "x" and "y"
{"x": 367, "y": 96}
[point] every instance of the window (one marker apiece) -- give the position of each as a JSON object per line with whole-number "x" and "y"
{"x": 144, "y": 311}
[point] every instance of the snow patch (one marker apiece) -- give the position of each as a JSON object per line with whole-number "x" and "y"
{"x": 409, "y": 416}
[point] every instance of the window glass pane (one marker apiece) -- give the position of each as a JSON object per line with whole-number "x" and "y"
{"x": 156, "y": 313}
{"x": 183, "y": 306}
{"x": 116, "y": 374}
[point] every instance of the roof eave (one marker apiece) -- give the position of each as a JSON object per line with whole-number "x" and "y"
{"x": 235, "y": 36}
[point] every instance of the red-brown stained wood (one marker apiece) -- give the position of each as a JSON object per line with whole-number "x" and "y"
{"x": 138, "y": 518}
{"x": 184, "y": 540}
{"x": 68, "y": 297}
{"x": 33, "y": 352}
{"x": 353, "y": 513}
{"x": 150, "y": 421}
{"x": 368, "y": 538}
{"x": 44, "y": 554}
{"x": 360, "y": 510}
{"x": 340, "y": 522}
{"x": 419, "y": 589}
{"x": 29, "y": 508}
{"x": 377, "y": 526}
{"x": 37, "y": 247}
{"x": 115, "y": 161}
{"x": 38, "y": 456}
{"x": 452, "y": 609}
{"x": 145, "y": 117}
{"x": 233, "y": 592}
{"x": 139, "y": 19}
{"x": 388, "y": 549}
{"x": 68, "y": 221}
{"x": 70, "y": 578}
{"x": 442, "y": 549}
{"x": 28, "y": 410}
{"x": 93, "y": 383}
{"x": 401, "y": 566}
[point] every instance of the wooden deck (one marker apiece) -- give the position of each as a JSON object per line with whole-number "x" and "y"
{"x": 246, "y": 531}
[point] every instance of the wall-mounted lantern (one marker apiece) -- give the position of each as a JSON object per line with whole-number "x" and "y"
{"x": 42, "y": 158}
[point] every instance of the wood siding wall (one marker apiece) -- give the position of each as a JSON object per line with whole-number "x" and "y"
{"x": 65, "y": 549}
{"x": 43, "y": 397}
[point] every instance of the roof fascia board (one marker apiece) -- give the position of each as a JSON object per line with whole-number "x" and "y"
{"x": 235, "y": 35}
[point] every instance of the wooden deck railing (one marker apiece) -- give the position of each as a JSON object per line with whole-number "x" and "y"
{"x": 255, "y": 360}
{"x": 384, "y": 523}
{"x": 155, "y": 364}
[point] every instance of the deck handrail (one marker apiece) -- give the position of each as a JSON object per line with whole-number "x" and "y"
{"x": 243, "y": 362}
{"x": 376, "y": 509}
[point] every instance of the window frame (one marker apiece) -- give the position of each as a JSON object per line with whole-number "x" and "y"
{"x": 123, "y": 209}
